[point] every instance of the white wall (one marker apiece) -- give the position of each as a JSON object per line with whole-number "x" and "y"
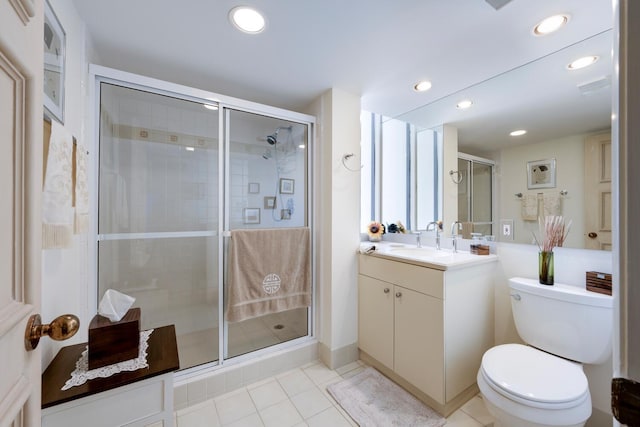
{"x": 449, "y": 188}
{"x": 337, "y": 224}
{"x": 570, "y": 268}
{"x": 512, "y": 179}
{"x": 65, "y": 271}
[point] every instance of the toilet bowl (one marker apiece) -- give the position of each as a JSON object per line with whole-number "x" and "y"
{"x": 526, "y": 387}
{"x": 542, "y": 383}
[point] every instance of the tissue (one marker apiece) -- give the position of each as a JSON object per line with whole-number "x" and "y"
{"x": 114, "y": 305}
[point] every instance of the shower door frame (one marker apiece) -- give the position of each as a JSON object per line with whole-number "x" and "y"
{"x": 99, "y": 74}
{"x": 486, "y": 162}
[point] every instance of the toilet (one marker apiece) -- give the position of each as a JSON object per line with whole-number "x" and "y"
{"x": 542, "y": 383}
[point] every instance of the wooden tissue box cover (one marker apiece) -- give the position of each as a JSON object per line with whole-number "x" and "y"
{"x": 114, "y": 342}
{"x": 599, "y": 282}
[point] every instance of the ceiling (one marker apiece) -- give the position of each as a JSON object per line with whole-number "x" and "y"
{"x": 376, "y": 49}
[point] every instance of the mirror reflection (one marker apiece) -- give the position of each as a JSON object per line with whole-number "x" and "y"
{"x": 560, "y": 165}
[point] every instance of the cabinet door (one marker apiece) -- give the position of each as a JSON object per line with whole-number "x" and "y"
{"x": 375, "y": 319}
{"x": 419, "y": 341}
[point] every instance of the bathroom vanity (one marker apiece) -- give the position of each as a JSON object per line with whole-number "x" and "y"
{"x": 425, "y": 318}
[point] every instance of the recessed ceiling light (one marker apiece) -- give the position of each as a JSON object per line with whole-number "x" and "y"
{"x": 464, "y": 104}
{"x": 582, "y": 62}
{"x": 422, "y": 86}
{"x": 247, "y": 19}
{"x": 519, "y": 132}
{"x": 211, "y": 107}
{"x": 550, "y": 24}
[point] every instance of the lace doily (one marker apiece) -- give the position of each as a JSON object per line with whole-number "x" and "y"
{"x": 82, "y": 374}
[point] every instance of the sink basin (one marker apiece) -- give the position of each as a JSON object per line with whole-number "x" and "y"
{"x": 419, "y": 252}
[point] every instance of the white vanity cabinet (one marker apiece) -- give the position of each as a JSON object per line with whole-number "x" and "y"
{"x": 426, "y": 328}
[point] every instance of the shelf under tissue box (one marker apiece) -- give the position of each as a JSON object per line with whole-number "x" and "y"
{"x": 114, "y": 342}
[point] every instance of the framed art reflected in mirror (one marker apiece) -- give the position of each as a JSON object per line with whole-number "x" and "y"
{"x": 541, "y": 174}
{"x": 54, "y": 64}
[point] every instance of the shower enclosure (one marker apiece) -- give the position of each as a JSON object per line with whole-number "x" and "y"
{"x": 176, "y": 171}
{"x": 475, "y": 193}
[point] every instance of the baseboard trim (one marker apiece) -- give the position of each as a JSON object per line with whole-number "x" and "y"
{"x": 338, "y": 357}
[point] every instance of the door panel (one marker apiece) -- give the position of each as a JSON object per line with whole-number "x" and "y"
{"x": 375, "y": 319}
{"x": 419, "y": 341}
{"x": 598, "y": 195}
{"x": 21, "y": 35}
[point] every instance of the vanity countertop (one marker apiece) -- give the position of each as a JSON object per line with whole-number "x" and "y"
{"x": 444, "y": 259}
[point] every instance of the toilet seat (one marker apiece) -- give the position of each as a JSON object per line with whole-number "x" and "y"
{"x": 534, "y": 378}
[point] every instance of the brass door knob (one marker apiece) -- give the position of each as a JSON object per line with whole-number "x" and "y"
{"x": 592, "y": 235}
{"x": 62, "y": 328}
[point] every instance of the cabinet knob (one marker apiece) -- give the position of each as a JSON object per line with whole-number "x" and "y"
{"x": 398, "y": 294}
{"x": 386, "y": 290}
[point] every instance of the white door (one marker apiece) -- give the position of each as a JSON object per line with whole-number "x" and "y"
{"x": 21, "y": 65}
{"x": 598, "y": 197}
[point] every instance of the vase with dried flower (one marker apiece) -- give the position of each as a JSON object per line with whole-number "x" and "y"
{"x": 375, "y": 230}
{"x": 553, "y": 232}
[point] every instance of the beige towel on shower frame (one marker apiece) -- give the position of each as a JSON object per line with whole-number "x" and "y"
{"x": 467, "y": 229}
{"x": 269, "y": 271}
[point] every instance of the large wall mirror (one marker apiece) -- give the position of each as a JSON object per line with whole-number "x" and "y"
{"x": 562, "y": 164}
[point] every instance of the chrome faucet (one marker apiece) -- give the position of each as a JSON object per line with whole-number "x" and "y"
{"x": 455, "y": 227}
{"x": 418, "y": 235}
{"x": 436, "y": 228}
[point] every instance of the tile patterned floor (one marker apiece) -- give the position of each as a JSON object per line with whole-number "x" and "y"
{"x": 299, "y": 398}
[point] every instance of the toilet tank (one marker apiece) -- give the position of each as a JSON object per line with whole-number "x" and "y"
{"x": 564, "y": 320}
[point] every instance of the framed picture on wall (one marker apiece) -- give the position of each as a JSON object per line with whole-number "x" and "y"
{"x": 251, "y": 215}
{"x": 54, "y": 64}
{"x": 269, "y": 202}
{"x": 541, "y": 174}
{"x": 254, "y": 188}
{"x": 286, "y": 186}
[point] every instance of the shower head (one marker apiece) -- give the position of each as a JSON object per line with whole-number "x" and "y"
{"x": 273, "y": 138}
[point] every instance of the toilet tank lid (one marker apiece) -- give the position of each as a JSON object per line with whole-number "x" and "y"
{"x": 562, "y": 292}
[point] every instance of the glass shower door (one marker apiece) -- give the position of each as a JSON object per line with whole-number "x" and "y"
{"x": 267, "y": 188}
{"x": 475, "y": 195}
{"x": 158, "y": 213}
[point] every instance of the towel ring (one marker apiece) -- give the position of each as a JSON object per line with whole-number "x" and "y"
{"x": 344, "y": 162}
{"x": 458, "y": 178}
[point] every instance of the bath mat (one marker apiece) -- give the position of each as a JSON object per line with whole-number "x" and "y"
{"x": 373, "y": 400}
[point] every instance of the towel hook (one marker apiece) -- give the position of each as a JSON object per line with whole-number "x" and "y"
{"x": 346, "y": 157}
{"x": 458, "y": 178}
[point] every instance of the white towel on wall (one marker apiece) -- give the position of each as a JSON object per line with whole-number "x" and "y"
{"x": 57, "y": 209}
{"x": 552, "y": 205}
{"x": 529, "y": 209}
{"x": 81, "y": 223}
